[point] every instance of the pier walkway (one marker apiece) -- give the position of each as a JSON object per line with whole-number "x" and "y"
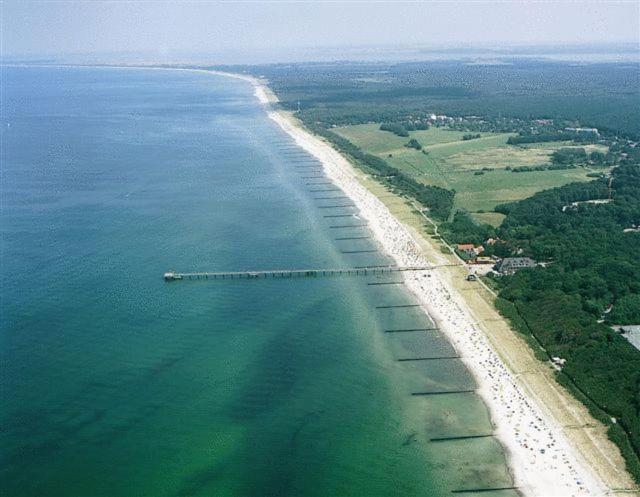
{"x": 293, "y": 273}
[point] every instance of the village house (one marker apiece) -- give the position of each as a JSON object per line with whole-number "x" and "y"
{"x": 470, "y": 251}
{"x": 510, "y": 265}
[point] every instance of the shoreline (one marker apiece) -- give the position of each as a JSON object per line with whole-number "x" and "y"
{"x": 540, "y": 456}
{"x": 541, "y": 459}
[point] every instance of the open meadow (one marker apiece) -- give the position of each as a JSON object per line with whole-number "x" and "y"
{"x": 476, "y": 169}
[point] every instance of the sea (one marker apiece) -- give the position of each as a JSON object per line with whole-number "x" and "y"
{"x": 117, "y": 383}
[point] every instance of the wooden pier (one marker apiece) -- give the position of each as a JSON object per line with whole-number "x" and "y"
{"x": 460, "y": 437}
{"x": 441, "y": 392}
{"x": 292, "y": 273}
{"x": 437, "y": 358}
{"x": 409, "y": 330}
{"x": 482, "y": 490}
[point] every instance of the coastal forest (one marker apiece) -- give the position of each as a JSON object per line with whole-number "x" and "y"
{"x": 565, "y": 137}
{"x": 592, "y": 280}
{"x": 603, "y": 95}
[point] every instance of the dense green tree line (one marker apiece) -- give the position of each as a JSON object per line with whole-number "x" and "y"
{"x": 592, "y": 264}
{"x": 569, "y": 155}
{"x": 403, "y": 128}
{"x": 395, "y": 128}
{"x": 601, "y": 159}
{"x": 463, "y": 229}
{"x": 542, "y": 167}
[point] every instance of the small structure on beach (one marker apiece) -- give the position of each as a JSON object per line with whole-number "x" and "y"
{"x": 510, "y": 265}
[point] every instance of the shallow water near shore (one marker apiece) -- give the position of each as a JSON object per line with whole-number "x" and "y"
{"x": 115, "y": 383}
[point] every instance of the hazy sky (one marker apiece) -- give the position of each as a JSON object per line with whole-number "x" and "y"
{"x": 32, "y": 28}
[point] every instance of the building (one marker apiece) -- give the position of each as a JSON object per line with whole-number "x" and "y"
{"x": 632, "y": 333}
{"x": 469, "y": 250}
{"x": 583, "y": 130}
{"x": 575, "y": 205}
{"x": 510, "y": 265}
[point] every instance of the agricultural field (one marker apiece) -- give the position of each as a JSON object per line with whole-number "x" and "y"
{"x": 483, "y": 193}
{"x": 475, "y": 169}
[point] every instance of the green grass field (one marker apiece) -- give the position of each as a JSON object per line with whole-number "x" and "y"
{"x": 492, "y": 218}
{"x": 453, "y": 163}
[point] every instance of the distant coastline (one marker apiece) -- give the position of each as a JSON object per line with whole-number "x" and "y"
{"x": 570, "y": 52}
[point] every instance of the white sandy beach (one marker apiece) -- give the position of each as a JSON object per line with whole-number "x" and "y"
{"x": 543, "y": 462}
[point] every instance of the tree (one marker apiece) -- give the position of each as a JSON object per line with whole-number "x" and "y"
{"x": 626, "y": 310}
{"x": 413, "y": 143}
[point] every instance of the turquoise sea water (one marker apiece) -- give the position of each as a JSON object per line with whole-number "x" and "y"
{"x": 115, "y": 383}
